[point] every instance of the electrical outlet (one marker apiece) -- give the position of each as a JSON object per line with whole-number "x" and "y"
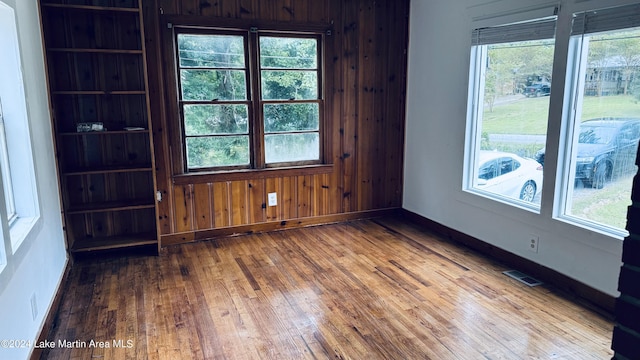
{"x": 34, "y": 306}
{"x": 273, "y": 199}
{"x": 534, "y": 240}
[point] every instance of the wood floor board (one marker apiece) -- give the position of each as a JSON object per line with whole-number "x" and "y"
{"x": 371, "y": 289}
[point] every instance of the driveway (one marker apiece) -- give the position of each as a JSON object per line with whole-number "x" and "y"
{"x": 518, "y": 138}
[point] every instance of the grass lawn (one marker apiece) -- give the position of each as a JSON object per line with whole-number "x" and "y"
{"x": 606, "y": 206}
{"x": 529, "y": 115}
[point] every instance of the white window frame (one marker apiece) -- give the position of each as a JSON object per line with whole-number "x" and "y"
{"x": 20, "y": 187}
{"x": 481, "y": 39}
{"x": 611, "y": 19}
{"x": 5, "y": 170}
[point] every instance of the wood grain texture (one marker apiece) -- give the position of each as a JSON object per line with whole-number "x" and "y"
{"x": 365, "y": 83}
{"x": 95, "y": 55}
{"x": 381, "y": 289}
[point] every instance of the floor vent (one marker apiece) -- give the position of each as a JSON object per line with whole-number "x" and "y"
{"x": 522, "y": 277}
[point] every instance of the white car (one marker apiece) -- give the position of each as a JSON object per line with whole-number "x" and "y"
{"x": 509, "y": 175}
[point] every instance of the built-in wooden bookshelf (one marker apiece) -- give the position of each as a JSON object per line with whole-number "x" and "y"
{"x": 96, "y": 70}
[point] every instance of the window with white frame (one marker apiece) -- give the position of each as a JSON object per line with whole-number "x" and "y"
{"x": 510, "y": 84}
{"x": 21, "y": 209}
{"x": 604, "y": 124}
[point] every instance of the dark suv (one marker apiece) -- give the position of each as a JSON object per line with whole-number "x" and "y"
{"x": 607, "y": 148}
{"x": 538, "y": 89}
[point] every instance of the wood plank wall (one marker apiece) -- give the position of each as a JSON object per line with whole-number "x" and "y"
{"x": 367, "y": 119}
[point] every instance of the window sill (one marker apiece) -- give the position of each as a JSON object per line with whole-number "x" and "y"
{"x": 20, "y": 229}
{"x": 614, "y": 233}
{"x": 524, "y": 205}
{"x": 250, "y": 174}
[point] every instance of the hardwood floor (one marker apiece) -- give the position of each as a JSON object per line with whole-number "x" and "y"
{"x": 374, "y": 289}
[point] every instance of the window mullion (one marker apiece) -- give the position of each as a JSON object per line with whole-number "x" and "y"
{"x": 256, "y": 129}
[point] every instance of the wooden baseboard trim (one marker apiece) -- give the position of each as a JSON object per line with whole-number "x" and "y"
{"x": 592, "y": 298}
{"x": 50, "y": 319}
{"x": 186, "y": 237}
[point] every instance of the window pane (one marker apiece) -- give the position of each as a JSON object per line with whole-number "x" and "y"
{"x": 512, "y": 118}
{"x": 607, "y": 129}
{"x": 215, "y": 119}
{"x": 291, "y": 117}
{"x": 213, "y": 85}
{"x": 289, "y": 85}
{"x": 215, "y": 51}
{"x": 213, "y": 151}
{"x": 292, "y": 147}
{"x": 288, "y": 53}
{"x": 5, "y": 171}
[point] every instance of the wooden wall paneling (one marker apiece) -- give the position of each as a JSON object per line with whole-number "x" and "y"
{"x": 221, "y": 207}
{"x": 300, "y": 9}
{"x": 183, "y": 202}
{"x": 314, "y": 183}
{"x": 283, "y": 11}
{"x": 381, "y": 144}
{"x": 267, "y": 11}
{"x": 210, "y": 8}
{"x": 203, "y": 204}
{"x": 117, "y": 187}
{"x": 305, "y": 199}
{"x": 363, "y": 116}
{"x": 322, "y": 198}
{"x": 74, "y": 158}
{"x": 239, "y": 202}
{"x": 257, "y": 201}
{"x": 335, "y": 113}
{"x": 73, "y": 187}
{"x": 134, "y": 151}
{"x": 121, "y": 222}
{"x": 318, "y": 10}
{"x": 249, "y": 9}
{"x": 302, "y": 200}
{"x": 100, "y": 67}
{"x": 65, "y": 76}
{"x": 396, "y": 62}
{"x": 144, "y": 180}
{"x": 95, "y": 189}
{"x": 129, "y": 74}
{"x": 230, "y": 8}
{"x": 113, "y": 150}
{"x": 366, "y": 126}
{"x": 350, "y": 67}
{"x": 169, "y": 7}
{"x": 289, "y": 196}
{"x": 189, "y": 7}
{"x": 165, "y": 213}
{"x": 111, "y": 223}
{"x": 124, "y": 222}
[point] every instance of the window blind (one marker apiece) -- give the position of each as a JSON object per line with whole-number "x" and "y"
{"x": 621, "y": 17}
{"x": 531, "y": 30}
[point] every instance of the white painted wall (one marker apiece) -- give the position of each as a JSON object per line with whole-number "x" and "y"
{"x": 38, "y": 264}
{"x": 439, "y": 50}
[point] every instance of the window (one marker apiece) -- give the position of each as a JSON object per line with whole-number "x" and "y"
{"x": 248, "y": 99}
{"x": 605, "y": 121}
{"x": 214, "y": 102}
{"x": 16, "y": 161}
{"x": 510, "y": 82}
